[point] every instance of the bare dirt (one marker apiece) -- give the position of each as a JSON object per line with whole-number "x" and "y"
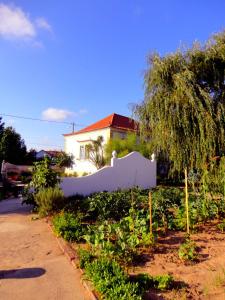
{"x": 204, "y": 279}
{"x": 32, "y": 267}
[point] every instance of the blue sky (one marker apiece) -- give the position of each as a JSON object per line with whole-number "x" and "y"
{"x": 79, "y": 61}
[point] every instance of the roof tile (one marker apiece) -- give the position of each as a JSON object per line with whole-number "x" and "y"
{"x": 113, "y": 121}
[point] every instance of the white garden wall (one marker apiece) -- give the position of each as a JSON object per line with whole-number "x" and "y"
{"x": 129, "y": 171}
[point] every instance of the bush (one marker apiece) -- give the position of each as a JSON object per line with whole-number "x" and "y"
{"x": 49, "y": 200}
{"x": 188, "y": 250}
{"x": 85, "y": 257}
{"x": 110, "y": 280}
{"x": 160, "y": 282}
{"x": 43, "y": 177}
{"x": 68, "y": 226}
{"x": 115, "y": 205}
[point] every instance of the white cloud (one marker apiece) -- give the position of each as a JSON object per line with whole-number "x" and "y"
{"x": 43, "y": 24}
{"x": 16, "y": 24}
{"x": 55, "y": 114}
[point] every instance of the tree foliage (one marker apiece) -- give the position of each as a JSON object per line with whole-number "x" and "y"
{"x": 95, "y": 152}
{"x": 184, "y": 106}
{"x": 125, "y": 146}
{"x": 12, "y": 146}
{"x": 43, "y": 175}
{"x": 63, "y": 160}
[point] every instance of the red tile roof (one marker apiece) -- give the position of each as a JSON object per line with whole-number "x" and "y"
{"x": 113, "y": 121}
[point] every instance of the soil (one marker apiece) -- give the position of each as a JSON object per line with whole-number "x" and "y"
{"x": 204, "y": 279}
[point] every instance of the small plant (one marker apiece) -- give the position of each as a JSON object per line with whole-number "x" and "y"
{"x": 188, "y": 250}
{"x": 221, "y": 226}
{"x": 68, "y": 226}
{"x": 163, "y": 282}
{"x": 85, "y": 257}
{"x": 49, "y": 200}
{"x": 110, "y": 280}
{"x": 160, "y": 282}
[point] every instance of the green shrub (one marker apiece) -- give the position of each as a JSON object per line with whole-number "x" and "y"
{"x": 160, "y": 282}
{"x": 85, "y": 257}
{"x": 163, "y": 282}
{"x": 49, "y": 200}
{"x": 188, "y": 250}
{"x": 221, "y": 226}
{"x": 76, "y": 203}
{"x": 43, "y": 175}
{"x": 68, "y": 226}
{"x": 115, "y": 205}
{"x": 120, "y": 240}
{"x": 110, "y": 280}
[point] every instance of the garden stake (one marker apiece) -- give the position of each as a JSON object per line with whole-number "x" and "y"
{"x": 186, "y": 199}
{"x": 150, "y": 212}
{"x": 132, "y": 209}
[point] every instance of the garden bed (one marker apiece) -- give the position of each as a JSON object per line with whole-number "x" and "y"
{"x": 110, "y": 233}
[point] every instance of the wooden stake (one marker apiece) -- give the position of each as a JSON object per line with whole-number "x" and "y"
{"x": 150, "y": 211}
{"x": 186, "y": 199}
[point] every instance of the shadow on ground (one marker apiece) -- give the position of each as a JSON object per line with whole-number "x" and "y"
{"x": 14, "y": 206}
{"x": 22, "y": 273}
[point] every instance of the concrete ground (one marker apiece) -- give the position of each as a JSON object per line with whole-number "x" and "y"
{"x": 32, "y": 267}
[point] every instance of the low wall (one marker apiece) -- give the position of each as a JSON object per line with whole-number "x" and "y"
{"x": 127, "y": 172}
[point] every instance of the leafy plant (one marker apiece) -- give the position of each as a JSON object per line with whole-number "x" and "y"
{"x": 68, "y": 226}
{"x": 121, "y": 240}
{"x": 221, "y": 226}
{"x": 49, "y": 200}
{"x": 110, "y": 280}
{"x": 43, "y": 175}
{"x": 160, "y": 282}
{"x": 115, "y": 205}
{"x": 188, "y": 250}
{"x": 85, "y": 257}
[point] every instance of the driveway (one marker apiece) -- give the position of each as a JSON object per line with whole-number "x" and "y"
{"x": 32, "y": 267}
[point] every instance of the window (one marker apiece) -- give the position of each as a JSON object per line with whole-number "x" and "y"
{"x": 82, "y": 152}
{"x": 123, "y": 135}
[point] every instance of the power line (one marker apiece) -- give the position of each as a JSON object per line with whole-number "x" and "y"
{"x": 41, "y": 120}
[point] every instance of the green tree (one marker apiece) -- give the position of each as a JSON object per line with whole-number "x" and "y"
{"x": 12, "y": 146}
{"x": 184, "y": 107}
{"x": 63, "y": 160}
{"x": 1, "y": 127}
{"x": 131, "y": 142}
{"x": 43, "y": 175}
{"x": 95, "y": 152}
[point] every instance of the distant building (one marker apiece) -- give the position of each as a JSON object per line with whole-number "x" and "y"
{"x": 49, "y": 153}
{"x": 109, "y": 127}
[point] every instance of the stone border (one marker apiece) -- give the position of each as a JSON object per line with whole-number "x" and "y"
{"x": 72, "y": 256}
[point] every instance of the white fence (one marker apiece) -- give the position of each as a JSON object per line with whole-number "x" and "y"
{"x": 129, "y": 171}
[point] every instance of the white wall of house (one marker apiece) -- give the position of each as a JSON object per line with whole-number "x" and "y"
{"x": 41, "y": 154}
{"x": 73, "y": 145}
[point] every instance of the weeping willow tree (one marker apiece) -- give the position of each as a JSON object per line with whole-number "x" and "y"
{"x": 183, "y": 112}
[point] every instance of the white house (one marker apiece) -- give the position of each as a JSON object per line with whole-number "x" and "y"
{"x": 76, "y": 142}
{"x": 43, "y": 153}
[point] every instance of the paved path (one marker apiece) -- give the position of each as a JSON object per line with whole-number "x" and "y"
{"x": 32, "y": 266}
